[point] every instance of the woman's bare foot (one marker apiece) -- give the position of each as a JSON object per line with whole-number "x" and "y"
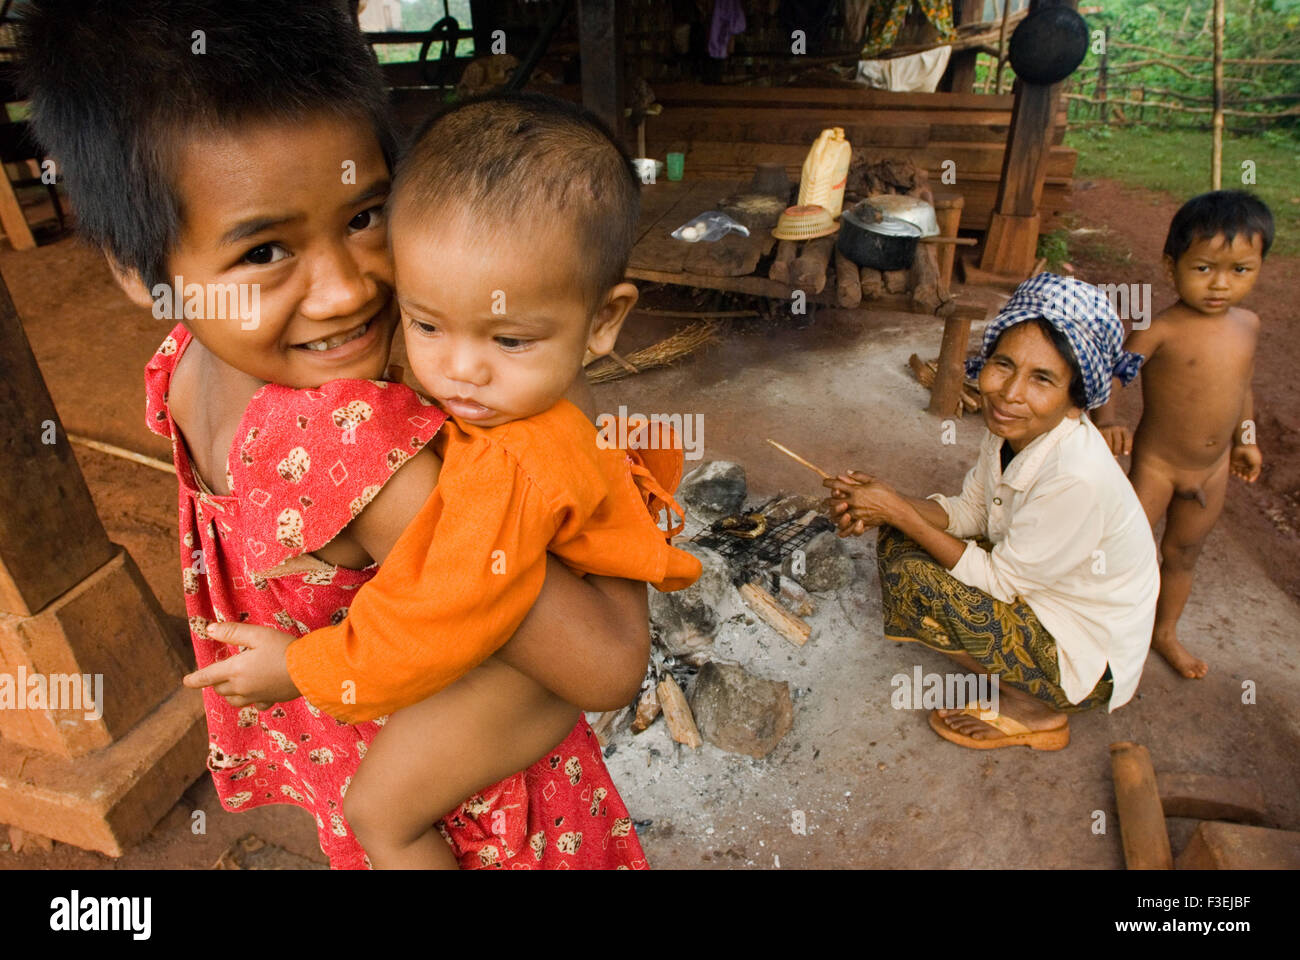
{"x": 1032, "y": 713}
{"x": 1190, "y": 666}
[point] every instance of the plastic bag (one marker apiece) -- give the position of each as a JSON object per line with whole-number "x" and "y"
{"x": 709, "y": 227}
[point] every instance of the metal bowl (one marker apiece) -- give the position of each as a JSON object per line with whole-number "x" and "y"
{"x": 902, "y": 207}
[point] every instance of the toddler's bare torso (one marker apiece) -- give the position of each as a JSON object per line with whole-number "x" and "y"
{"x": 1194, "y": 386}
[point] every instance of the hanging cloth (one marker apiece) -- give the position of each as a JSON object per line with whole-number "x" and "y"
{"x": 728, "y": 20}
{"x": 887, "y": 18}
{"x": 914, "y": 73}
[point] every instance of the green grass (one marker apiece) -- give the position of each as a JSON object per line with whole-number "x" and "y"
{"x": 1178, "y": 163}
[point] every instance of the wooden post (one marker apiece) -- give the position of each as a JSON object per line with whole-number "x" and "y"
{"x": 960, "y": 76}
{"x": 1102, "y": 112}
{"x": 11, "y": 216}
{"x": 1216, "y": 150}
{"x": 600, "y": 53}
{"x": 482, "y": 23}
{"x": 1011, "y": 242}
{"x": 947, "y": 210}
{"x": 1002, "y": 46}
{"x": 945, "y": 395}
{"x": 50, "y": 536}
{"x": 94, "y": 767}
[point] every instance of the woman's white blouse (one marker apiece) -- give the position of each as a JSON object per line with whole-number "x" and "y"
{"x": 1069, "y": 538}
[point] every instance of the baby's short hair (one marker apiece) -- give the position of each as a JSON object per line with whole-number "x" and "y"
{"x": 1227, "y": 212}
{"x": 527, "y": 157}
{"x": 116, "y": 85}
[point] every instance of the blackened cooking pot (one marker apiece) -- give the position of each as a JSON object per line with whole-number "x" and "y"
{"x": 888, "y": 244}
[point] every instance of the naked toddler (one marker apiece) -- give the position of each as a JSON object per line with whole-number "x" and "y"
{"x": 1198, "y": 418}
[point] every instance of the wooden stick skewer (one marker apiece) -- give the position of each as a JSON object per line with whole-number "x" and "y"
{"x": 794, "y": 456}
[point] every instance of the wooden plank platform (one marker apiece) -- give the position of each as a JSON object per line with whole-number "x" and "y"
{"x": 658, "y": 258}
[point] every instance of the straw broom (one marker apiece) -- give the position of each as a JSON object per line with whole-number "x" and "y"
{"x": 680, "y": 344}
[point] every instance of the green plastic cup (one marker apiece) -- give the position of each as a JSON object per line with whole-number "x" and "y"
{"x": 676, "y": 165}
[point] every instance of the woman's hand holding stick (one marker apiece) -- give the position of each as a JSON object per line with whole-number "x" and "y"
{"x": 861, "y": 501}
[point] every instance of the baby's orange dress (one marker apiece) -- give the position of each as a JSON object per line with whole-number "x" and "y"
{"x": 470, "y": 566}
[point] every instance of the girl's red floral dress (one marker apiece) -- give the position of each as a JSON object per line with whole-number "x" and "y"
{"x": 563, "y": 812}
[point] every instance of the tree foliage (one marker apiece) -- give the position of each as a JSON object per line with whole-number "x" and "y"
{"x": 1254, "y": 30}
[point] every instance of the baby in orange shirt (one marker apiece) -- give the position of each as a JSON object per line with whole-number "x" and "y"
{"x": 510, "y": 226}
{"x": 511, "y": 222}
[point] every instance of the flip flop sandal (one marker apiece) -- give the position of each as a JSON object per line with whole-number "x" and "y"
{"x": 1014, "y": 732}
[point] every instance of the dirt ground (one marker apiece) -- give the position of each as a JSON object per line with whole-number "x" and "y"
{"x": 871, "y": 786}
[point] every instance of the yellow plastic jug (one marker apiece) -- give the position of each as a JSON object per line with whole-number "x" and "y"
{"x": 825, "y": 170}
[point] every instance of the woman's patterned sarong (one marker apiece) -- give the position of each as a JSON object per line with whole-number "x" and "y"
{"x": 923, "y": 602}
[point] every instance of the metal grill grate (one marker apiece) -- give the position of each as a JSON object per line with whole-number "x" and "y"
{"x": 754, "y": 559}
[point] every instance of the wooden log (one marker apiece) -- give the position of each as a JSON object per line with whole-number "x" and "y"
{"x": 1141, "y": 817}
{"x": 808, "y": 271}
{"x": 1231, "y": 846}
{"x": 923, "y": 280}
{"x": 647, "y": 708}
{"x": 1211, "y": 798}
{"x": 924, "y": 371}
{"x": 848, "y": 287}
{"x": 873, "y": 283}
{"x": 774, "y": 615}
{"x": 896, "y": 281}
{"x": 786, "y": 251}
{"x": 677, "y": 713}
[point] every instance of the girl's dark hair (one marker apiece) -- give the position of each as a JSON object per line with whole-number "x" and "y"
{"x": 1228, "y": 212}
{"x": 1078, "y": 396}
{"x": 117, "y": 85}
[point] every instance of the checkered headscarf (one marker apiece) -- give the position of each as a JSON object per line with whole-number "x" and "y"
{"x": 1084, "y": 315}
